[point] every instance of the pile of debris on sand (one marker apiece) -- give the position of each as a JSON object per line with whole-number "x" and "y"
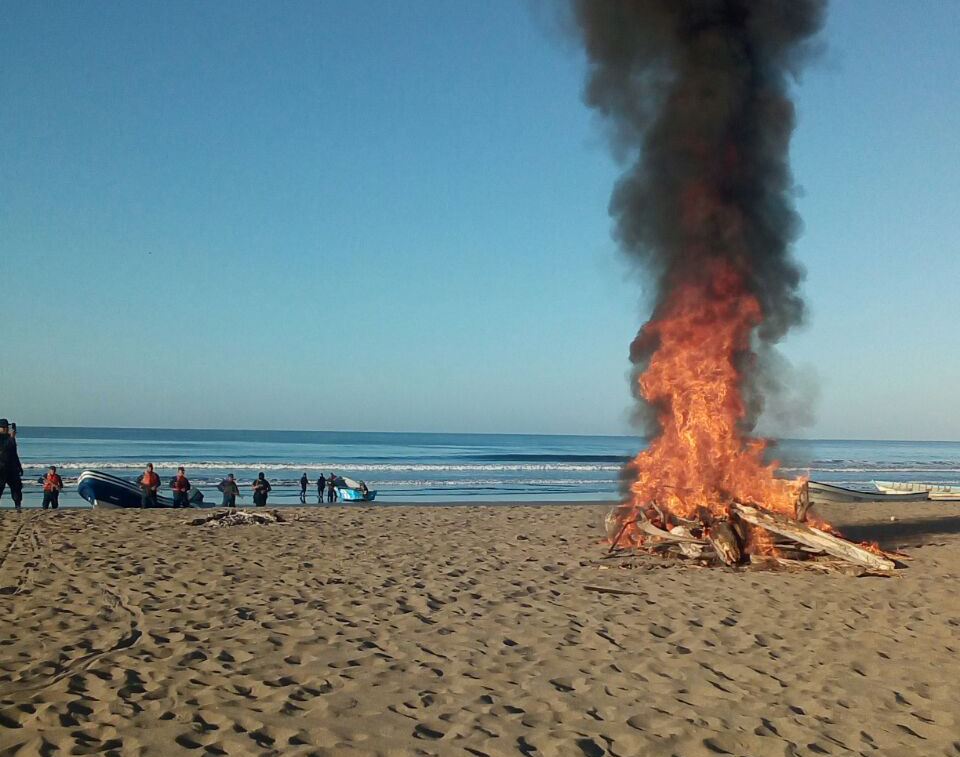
{"x": 240, "y": 518}
{"x": 788, "y": 543}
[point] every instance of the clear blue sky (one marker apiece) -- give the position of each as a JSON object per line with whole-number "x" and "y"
{"x": 392, "y": 216}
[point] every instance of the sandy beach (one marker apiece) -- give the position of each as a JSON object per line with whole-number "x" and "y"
{"x": 462, "y": 630}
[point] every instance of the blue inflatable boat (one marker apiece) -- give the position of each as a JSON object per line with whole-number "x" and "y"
{"x": 105, "y": 491}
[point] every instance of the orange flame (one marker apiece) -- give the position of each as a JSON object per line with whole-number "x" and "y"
{"x": 702, "y": 458}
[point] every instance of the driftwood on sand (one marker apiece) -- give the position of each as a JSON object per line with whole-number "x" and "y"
{"x": 812, "y": 537}
{"x": 732, "y": 539}
{"x": 239, "y": 518}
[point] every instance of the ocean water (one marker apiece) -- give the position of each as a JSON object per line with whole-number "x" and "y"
{"x": 432, "y": 468}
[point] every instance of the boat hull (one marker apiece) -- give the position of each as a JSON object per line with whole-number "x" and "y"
{"x": 355, "y": 495}
{"x": 110, "y": 492}
{"x": 820, "y": 492}
{"x": 933, "y": 491}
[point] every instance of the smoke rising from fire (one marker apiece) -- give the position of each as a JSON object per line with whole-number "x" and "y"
{"x": 697, "y": 93}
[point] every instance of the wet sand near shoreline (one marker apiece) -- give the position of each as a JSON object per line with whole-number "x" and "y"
{"x": 463, "y": 630}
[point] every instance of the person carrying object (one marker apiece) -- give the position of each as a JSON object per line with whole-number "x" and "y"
{"x": 230, "y": 491}
{"x": 52, "y": 486}
{"x": 261, "y": 488}
{"x": 11, "y": 471}
{"x": 149, "y": 483}
{"x": 181, "y": 487}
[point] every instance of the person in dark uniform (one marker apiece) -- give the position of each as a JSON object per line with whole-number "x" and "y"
{"x": 52, "y": 486}
{"x": 332, "y": 488}
{"x": 149, "y": 483}
{"x": 181, "y": 486}
{"x": 261, "y": 488}
{"x": 230, "y": 491}
{"x": 303, "y": 487}
{"x": 321, "y": 485}
{"x": 10, "y": 468}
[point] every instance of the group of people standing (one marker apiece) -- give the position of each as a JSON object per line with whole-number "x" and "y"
{"x": 11, "y": 476}
{"x": 329, "y": 483}
{"x": 11, "y": 471}
{"x": 180, "y": 485}
{"x": 231, "y": 490}
{"x": 150, "y": 485}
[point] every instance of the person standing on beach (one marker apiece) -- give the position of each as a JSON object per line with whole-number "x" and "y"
{"x": 180, "y": 485}
{"x": 321, "y": 485}
{"x": 303, "y": 488}
{"x": 10, "y": 468}
{"x": 149, "y": 483}
{"x": 230, "y": 491}
{"x": 261, "y": 488}
{"x": 52, "y": 486}
{"x": 332, "y": 488}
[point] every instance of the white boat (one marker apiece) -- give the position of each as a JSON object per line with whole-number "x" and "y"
{"x": 934, "y": 491}
{"x": 820, "y": 492}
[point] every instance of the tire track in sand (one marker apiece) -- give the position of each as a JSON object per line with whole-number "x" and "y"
{"x": 27, "y": 567}
{"x": 40, "y": 553}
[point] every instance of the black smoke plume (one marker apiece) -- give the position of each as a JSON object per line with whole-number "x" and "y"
{"x": 697, "y": 93}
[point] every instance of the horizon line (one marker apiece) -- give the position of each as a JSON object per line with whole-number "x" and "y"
{"x": 472, "y": 433}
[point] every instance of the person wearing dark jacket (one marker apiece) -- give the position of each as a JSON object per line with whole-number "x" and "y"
{"x": 181, "y": 486}
{"x": 332, "y": 488}
{"x": 230, "y": 491}
{"x": 304, "y": 481}
{"x": 11, "y": 470}
{"x": 149, "y": 483}
{"x": 261, "y": 488}
{"x": 52, "y": 486}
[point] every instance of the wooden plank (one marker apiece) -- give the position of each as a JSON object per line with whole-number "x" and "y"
{"x": 803, "y": 502}
{"x": 724, "y": 542}
{"x": 684, "y": 536}
{"x": 811, "y": 537}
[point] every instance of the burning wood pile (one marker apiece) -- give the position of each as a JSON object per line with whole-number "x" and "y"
{"x": 698, "y": 96}
{"x": 239, "y": 518}
{"x": 745, "y": 535}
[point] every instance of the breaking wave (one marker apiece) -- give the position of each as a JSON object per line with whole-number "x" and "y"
{"x": 229, "y": 465}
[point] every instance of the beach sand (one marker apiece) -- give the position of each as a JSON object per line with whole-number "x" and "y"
{"x": 463, "y": 631}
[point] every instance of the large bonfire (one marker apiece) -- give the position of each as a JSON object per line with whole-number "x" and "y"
{"x": 701, "y": 461}
{"x": 697, "y": 93}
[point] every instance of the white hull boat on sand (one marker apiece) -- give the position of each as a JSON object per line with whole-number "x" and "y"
{"x": 934, "y": 491}
{"x": 820, "y": 492}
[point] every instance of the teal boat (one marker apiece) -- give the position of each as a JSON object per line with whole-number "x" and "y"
{"x": 349, "y": 490}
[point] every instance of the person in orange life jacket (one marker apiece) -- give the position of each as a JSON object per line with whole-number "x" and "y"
{"x": 180, "y": 485}
{"x": 149, "y": 483}
{"x": 52, "y": 486}
{"x": 10, "y": 468}
{"x": 261, "y": 487}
